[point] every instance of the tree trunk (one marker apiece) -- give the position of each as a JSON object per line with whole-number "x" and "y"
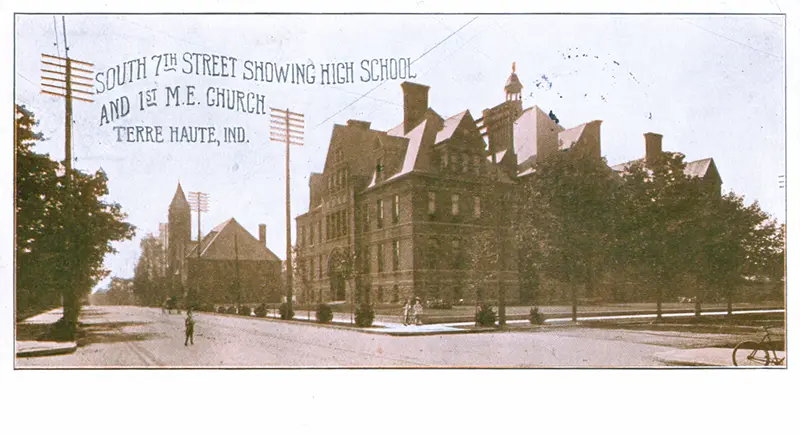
{"x": 729, "y": 294}
{"x": 697, "y": 304}
{"x": 574, "y": 304}
{"x": 659, "y": 300}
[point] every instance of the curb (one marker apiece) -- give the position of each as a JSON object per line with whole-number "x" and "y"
{"x": 372, "y": 330}
{"x": 44, "y": 348}
{"x": 671, "y": 361}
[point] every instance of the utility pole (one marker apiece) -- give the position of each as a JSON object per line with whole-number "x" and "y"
{"x": 237, "y": 283}
{"x": 59, "y": 78}
{"x": 287, "y": 126}
{"x": 498, "y": 231}
{"x": 198, "y": 201}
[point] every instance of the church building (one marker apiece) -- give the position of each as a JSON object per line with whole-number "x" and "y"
{"x": 228, "y": 266}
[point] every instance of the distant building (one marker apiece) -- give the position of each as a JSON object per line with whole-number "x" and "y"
{"x": 231, "y": 266}
{"x": 704, "y": 169}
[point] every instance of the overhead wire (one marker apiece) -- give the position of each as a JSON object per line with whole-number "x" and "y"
{"x": 381, "y": 83}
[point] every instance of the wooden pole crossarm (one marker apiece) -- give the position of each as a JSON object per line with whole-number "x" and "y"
{"x": 64, "y": 89}
{"x": 282, "y": 122}
{"x": 290, "y": 130}
{"x": 87, "y": 71}
{"x": 64, "y": 73}
{"x": 282, "y": 118}
{"x": 62, "y": 95}
{"x": 64, "y": 81}
{"x": 70, "y": 59}
{"x": 54, "y": 64}
{"x": 290, "y": 113}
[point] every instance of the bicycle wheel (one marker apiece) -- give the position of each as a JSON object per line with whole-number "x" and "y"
{"x": 750, "y": 353}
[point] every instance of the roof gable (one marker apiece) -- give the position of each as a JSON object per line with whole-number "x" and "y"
{"x": 230, "y": 241}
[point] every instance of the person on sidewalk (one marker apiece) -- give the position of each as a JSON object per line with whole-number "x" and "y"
{"x": 406, "y": 312}
{"x": 189, "y": 328}
{"x": 418, "y": 312}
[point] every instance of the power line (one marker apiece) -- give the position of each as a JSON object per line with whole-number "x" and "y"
{"x": 729, "y": 39}
{"x": 55, "y": 32}
{"x": 28, "y": 80}
{"x": 381, "y": 83}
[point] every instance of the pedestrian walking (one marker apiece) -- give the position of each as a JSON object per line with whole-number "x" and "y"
{"x": 189, "y": 328}
{"x": 406, "y": 312}
{"x": 418, "y": 312}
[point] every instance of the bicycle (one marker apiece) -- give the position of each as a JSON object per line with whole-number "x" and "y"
{"x": 752, "y": 353}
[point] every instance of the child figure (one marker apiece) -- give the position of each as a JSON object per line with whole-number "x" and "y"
{"x": 418, "y": 312}
{"x": 406, "y": 312}
{"x": 189, "y": 328}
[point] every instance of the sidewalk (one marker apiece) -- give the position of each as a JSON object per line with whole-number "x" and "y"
{"x": 26, "y": 349}
{"x": 385, "y": 325}
{"x": 343, "y": 321}
{"x": 31, "y": 348}
{"x": 704, "y": 357}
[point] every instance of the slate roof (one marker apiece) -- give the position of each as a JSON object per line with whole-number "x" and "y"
{"x": 225, "y": 239}
{"x": 698, "y": 168}
{"x": 450, "y": 126}
{"x": 513, "y": 85}
{"x": 570, "y": 136}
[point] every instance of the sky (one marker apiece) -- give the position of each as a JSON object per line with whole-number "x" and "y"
{"x": 713, "y": 85}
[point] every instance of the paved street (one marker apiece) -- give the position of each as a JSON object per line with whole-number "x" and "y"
{"x": 145, "y": 337}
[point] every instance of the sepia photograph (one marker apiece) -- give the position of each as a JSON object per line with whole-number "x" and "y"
{"x": 399, "y": 191}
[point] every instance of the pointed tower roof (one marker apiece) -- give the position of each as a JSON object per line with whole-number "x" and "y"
{"x": 513, "y": 85}
{"x": 179, "y": 200}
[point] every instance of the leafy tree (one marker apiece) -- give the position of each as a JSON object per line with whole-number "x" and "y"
{"x": 150, "y": 281}
{"x": 63, "y": 229}
{"x": 663, "y": 212}
{"x": 120, "y": 291}
{"x": 736, "y": 240}
{"x": 568, "y": 211}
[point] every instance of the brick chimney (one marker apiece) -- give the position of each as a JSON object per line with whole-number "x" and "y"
{"x": 262, "y": 234}
{"x": 364, "y": 125}
{"x": 415, "y": 104}
{"x": 652, "y": 145}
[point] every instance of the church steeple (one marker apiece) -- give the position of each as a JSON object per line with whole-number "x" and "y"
{"x": 179, "y": 230}
{"x": 513, "y": 85}
{"x": 179, "y": 201}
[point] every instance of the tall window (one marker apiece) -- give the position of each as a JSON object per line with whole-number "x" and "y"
{"x": 445, "y": 159}
{"x": 465, "y": 163}
{"x": 311, "y": 270}
{"x": 380, "y": 294}
{"x": 476, "y": 164}
{"x": 395, "y": 209}
{"x": 433, "y": 253}
{"x": 366, "y": 218}
{"x": 477, "y": 209}
{"x": 396, "y": 255}
{"x": 366, "y": 259}
{"x": 319, "y": 267}
{"x": 458, "y": 257}
{"x": 311, "y": 233}
{"x": 455, "y": 205}
{"x": 380, "y": 213}
{"x": 319, "y": 231}
{"x": 380, "y": 257}
{"x": 431, "y": 202}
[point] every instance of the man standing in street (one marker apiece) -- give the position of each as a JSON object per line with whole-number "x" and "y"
{"x": 189, "y": 328}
